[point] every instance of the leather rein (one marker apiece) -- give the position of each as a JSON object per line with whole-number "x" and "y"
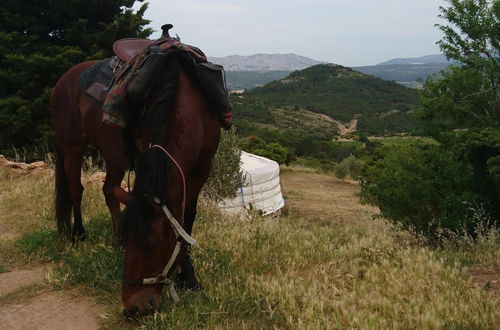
{"x": 181, "y": 235}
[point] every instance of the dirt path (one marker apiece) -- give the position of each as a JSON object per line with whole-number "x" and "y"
{"x": 18, "y": 278}
{"x": 319, "y": 196}
{"x": 26, "y": 300}
{"x": 27, "y": 303}
{"x": 50, "y": 310}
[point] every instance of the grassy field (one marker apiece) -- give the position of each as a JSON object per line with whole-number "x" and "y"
{"x": 326, "y": 264}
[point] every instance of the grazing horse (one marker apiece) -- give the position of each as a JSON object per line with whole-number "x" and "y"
{"x": 178, "y": 134}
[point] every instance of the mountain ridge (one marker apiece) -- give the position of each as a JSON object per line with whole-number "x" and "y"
{"x": 426, "y": 59}
{"x": 264, "y": 62}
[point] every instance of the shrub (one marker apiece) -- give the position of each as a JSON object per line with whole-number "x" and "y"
{"x": 341, "y": 170}
{"x": 424, "y": 188}
{"x": 353, "y": 165}
{"x": 226, "y": 176}
{"x": 273, "y": 150}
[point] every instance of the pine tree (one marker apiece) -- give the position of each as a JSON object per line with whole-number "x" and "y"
{"x": 39, "y": 41}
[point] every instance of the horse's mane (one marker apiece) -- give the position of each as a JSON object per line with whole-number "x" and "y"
{"x": 151, "y": 173}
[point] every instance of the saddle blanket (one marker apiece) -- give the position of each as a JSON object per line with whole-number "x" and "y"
{"x": 108, "y": 79}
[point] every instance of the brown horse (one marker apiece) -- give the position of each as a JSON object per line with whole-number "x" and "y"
{"x": 177, "y": 121}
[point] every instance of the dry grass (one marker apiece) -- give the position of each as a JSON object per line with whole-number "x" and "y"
{"x": 327, "y": 264}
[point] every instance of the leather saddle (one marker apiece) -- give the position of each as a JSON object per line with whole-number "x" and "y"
{"x": 95, "y": 81}
{"x": 127, "y": 48}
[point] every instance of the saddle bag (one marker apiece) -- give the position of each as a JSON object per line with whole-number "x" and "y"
{"x": 212, "y": 82}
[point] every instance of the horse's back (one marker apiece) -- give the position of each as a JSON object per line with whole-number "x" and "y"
{"x": 65, "y": 101}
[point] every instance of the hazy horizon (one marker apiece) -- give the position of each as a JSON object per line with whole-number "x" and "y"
{"x": 350, "y": 33}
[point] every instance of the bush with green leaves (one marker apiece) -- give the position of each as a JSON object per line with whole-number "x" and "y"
{"x": 273, "y": 150}
{"x": 226, "y": 176}
{"x": 353, "y": 165}
{"x": 341, "y": 170}
{"x": 422, "y": 187}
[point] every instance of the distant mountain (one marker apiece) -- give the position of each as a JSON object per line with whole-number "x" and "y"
{"x": 429, "y": 59}
{"x": 403, "y": 73}
{"x": 237, "y": 80}
{"x": 264, "y": 62}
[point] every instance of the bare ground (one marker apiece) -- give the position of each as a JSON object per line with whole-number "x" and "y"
{"x": 28, "y": 303}
{"x": 26, "y": 300}
{"x": 20, "y": 277}
{"x": 50, "y": 310}
{"x": 320, "y": 196}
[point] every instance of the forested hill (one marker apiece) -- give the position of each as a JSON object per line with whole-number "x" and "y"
{"x": 337, "y": 91}
{"x": 307, "y": 110}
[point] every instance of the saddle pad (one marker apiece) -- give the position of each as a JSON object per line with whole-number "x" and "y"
{"x": 99, "y": 72}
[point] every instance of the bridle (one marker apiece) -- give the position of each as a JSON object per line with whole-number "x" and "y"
{"x": 182, "y": 238}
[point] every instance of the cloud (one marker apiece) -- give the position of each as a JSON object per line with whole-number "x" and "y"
{"x": 215, "y": 8}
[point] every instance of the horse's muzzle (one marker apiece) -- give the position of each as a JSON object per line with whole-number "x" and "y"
{"x": 133, "y": 313}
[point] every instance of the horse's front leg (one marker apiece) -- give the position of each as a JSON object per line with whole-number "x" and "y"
{"x": 187, "y": 277}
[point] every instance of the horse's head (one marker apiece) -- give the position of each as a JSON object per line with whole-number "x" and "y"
{"x": 149, "y": 242}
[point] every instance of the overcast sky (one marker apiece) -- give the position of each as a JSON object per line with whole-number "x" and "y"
{"x": 346, "y": 32}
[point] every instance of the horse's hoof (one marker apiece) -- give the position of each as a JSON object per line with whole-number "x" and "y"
{"x": 79, "y": 236}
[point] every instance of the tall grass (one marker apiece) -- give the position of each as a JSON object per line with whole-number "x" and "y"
{"x": 266, "y": 273}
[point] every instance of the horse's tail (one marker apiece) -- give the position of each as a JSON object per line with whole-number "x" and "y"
{"x": 63, "y": 199}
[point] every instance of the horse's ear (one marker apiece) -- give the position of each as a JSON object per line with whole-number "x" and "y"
{"x": 121, "y": 195}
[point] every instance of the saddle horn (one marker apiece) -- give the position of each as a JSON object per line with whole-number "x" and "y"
{"x": 165, "y": 29}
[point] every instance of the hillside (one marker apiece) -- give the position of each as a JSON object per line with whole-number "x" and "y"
{"x": 337, "y": 91}
{"x": 307, "y": 110}
{"x": 264, "y": 62}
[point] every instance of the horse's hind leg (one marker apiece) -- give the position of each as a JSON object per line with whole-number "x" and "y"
{"x": 72, "y": 165}
{"x": 112, "y": 148}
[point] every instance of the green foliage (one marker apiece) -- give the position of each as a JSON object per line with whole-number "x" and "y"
{"x": 342, "y": 93}
{"x": 337, "y": 91}
{"x": 389, "y": 123}
{"x": 273, "y": 150}
{"x": 39, "y": 41}
{"x": 354, "y": 166}
{"x": 466, "y": 95}
{"x": 421, "y": 187}
{"x": 437, "y": 186}
{"x": 493, "y": 165}
{"x": 313, "y": 145}
{"x": 341, "y": 170}
{"x": 226, "y": 176}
